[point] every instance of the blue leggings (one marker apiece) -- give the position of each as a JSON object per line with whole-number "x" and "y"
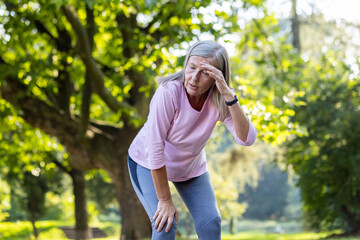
{"x": 197, "y": 193}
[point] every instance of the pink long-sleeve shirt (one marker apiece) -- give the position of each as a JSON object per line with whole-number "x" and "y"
{"x": 175, "y": 134}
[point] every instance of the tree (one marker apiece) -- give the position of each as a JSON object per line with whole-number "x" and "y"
{"x": 295, "y": 26}
{"x": 27, "y": 155}
{"x": 24, "y": 167}
{"x": 326, "y": 155}
{"x": 324, "y": 99}
{"x": 82, "y": 71}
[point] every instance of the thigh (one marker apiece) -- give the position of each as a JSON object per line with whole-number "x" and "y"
{"x": 143, "y": 184}
{"x": 199, "y": 196}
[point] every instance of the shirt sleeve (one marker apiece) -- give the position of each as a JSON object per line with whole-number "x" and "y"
{"x": 251, "y": 137}
{"x": 162, "y": 111}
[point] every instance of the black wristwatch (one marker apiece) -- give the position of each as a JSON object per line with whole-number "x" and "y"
{"x": 232, "y": 102}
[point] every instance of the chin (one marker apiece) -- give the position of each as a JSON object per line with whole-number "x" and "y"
{"x": 190, "y": 92}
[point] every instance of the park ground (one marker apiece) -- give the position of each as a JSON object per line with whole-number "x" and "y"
{"x": 50, "y": 230}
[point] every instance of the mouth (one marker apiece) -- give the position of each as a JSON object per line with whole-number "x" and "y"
{"x": 192, "y": 86}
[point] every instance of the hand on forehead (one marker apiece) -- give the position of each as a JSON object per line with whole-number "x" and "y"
{"x": 197, "y": 61}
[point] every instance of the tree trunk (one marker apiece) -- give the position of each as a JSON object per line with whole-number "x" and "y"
{"x": 33, "y": 220}
{"x": 232, "y": 226}
{"x": 295, "y": 26}
{"x": 110, "y": 151}
{"x": 351, "y": 219}
{"x": 81, "y": 226}
{"x": 134, "y": 220}
{"x": 104, "y": 146}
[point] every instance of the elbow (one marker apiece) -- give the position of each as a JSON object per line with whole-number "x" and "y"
{"x": 250, "y": 138}
{"x": 249, "y": 141}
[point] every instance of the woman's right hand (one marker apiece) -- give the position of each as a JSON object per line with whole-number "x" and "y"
{"x": 166, "y": 211}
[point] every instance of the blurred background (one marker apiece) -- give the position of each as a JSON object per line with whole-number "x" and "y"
{"x": 76, "y": 79}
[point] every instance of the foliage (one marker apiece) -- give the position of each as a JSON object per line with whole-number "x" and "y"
{"x": 269, "y": 198}
{"x": 49, "y": 49}
{"x": 60, "y": 207}
{"x": 97, "y": 60}
{"x": 313, "y": 104}
{"x": 99, "y": 185}
{"x": 326, "y": 157}
{"x": 24, "y": 167}
{"x": 316, "y": 103}
{"x": 264, "y": 67}
{"x": 4, "y": 200}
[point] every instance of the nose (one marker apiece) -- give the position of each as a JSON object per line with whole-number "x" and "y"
{"x": 195, "y": 76}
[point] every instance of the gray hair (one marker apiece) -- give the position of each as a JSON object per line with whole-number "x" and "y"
{"x": 217, "y": 55}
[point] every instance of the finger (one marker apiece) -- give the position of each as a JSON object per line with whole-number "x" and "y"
{"x": 169, "y": 224}
{"x": 156, "y": 215}
{"x": 214, "y": 76}
{"x": 176, "y": 217}
{"x": 161, "y": 225}
{"x": 157, "y": 222}
{"x": 208, "y": 66}
{"x": 206, "y": 63}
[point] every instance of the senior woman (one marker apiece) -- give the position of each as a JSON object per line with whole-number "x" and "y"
{"x": 170, "y": 146}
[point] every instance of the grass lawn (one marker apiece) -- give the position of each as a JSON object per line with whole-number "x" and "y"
{"x": 49, "y": 230}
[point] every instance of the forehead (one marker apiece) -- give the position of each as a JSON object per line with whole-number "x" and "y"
{"x": 196, "y": 60}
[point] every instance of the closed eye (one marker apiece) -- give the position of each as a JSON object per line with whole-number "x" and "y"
{"x": 205, "y": 73}
{"x": 192, "y": 66}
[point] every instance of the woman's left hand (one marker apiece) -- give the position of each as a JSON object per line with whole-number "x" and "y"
{"x": 218, "y": 76}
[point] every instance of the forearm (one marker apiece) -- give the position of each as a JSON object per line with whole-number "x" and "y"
{"x": 166, "y": 209}
{"x": 241, "y": 121}
{"x": 161, "y": 184}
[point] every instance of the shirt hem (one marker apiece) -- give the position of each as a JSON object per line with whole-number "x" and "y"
{"x": 187, "y": 178}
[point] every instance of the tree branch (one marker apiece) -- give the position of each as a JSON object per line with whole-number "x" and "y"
{"x": 38, "y": 113}
{"x": 60, "y": 166}
{"x": 49, "y": 95}
{"x": 65, "y": 88}
{"x": 63, "y": 44}
{"x": 85, "y": 106}
{"x": 85, "y": 54}
{"x": 126, "y": 25}
{"x": 87, "y": 89}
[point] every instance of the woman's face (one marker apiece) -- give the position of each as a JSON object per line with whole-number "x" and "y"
{"x": 196, "y": 80}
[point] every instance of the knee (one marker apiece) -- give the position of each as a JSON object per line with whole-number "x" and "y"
{"x": 164, "y": 235}
{"x": 211, "y": 230}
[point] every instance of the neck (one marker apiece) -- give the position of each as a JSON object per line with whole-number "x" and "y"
{"x": 197, "y": 102}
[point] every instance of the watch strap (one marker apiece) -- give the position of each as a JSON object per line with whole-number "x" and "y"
{"x": 233, "y": 101}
